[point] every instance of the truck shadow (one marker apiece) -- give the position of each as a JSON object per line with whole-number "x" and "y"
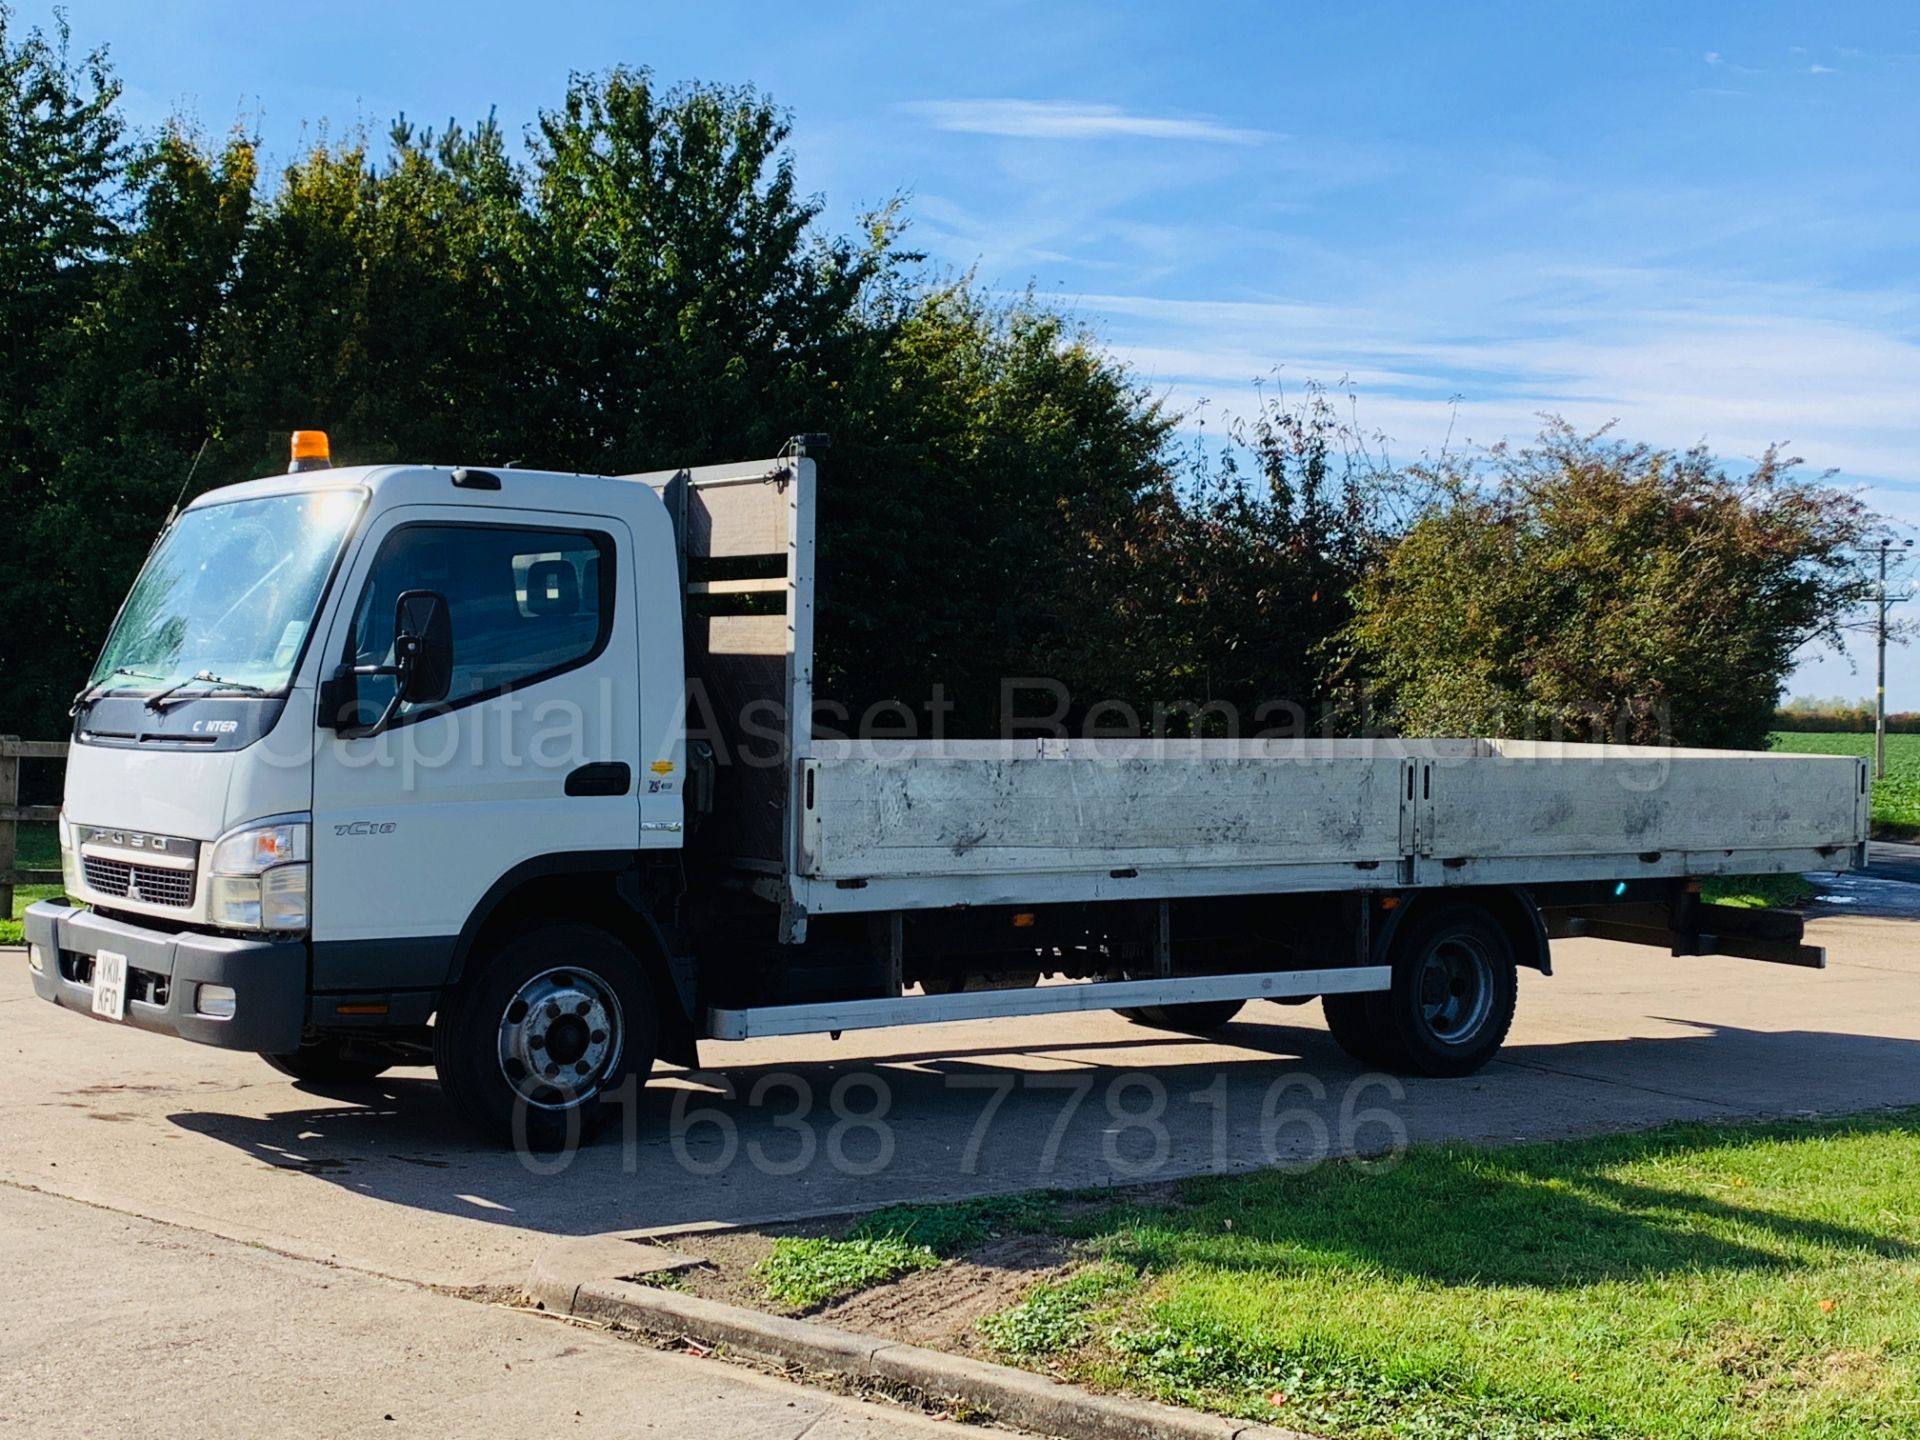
{"x": 762, "y": 1143}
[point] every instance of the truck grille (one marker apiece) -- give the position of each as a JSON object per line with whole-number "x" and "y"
{"x": 148, "y": 883}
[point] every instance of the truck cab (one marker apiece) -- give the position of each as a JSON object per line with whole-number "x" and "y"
{"x": 280, "y": 841}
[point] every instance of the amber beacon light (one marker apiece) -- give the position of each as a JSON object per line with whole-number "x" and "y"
{"x": 310, "y": 452}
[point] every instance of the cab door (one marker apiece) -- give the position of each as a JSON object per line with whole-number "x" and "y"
{"x": 532, "y": 753}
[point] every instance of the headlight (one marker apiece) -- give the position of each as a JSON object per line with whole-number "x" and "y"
{"x": 259, "y": 847}
{"x": 258, "y": 877}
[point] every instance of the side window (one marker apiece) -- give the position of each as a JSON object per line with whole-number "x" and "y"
{"x": 525, "y": 604}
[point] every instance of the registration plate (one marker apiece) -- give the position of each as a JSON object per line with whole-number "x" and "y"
{"x": 110, "y": 985}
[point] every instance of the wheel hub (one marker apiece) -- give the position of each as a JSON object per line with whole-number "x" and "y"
{"x": 568, "y": 1040}
{"x": 1456, "y": 988}
{"x": 560, "y": 1037}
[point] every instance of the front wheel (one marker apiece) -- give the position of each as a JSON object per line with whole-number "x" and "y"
{"x": 1453, "y": 994}
{"x": 327, "y": 1061}
{"x": 556, "y": 1027}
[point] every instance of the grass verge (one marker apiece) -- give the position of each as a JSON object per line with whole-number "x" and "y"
{"x": 1058, "y": 1315}
{"x": 1759, "y": 892}
{"x": 806, "y": 1272}
{"x": 39, "y": 849}
{"x": 1693, "y": 1281}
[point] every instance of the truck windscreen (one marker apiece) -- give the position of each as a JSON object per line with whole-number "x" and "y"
{"x": 230, "y": 592}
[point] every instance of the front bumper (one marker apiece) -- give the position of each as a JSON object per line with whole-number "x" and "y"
{"x": 165, "y": 970}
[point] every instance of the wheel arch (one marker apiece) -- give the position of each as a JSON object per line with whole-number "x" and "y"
{"x": 599, "y": 888}
{"x": 1511, "y": 907}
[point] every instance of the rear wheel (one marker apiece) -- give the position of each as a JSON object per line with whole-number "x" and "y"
{"x": 327, "y": 1061}
{"x": 1352, "y": 1030}
{"x": 1452, "y": 999}
{"x": 1196, "y": 1017}
{"x": 555, "y": 1030}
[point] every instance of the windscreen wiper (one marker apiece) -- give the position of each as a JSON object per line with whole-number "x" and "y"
{"x": 205, "y": 677}
{"x": 97, "y": 686}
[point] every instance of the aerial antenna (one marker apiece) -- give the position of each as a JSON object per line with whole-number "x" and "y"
{"x": 175, "y": 509}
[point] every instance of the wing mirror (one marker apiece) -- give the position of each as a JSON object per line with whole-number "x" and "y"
{"x": 422, "y": 667}
{"x": 423, "y": 646}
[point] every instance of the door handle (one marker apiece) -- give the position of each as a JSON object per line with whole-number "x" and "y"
{"x": 605, "y": 777}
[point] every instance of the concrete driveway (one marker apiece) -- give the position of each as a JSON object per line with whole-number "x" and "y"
{"x": 118, "y": 1326}
{"x": 381, "y": 1181}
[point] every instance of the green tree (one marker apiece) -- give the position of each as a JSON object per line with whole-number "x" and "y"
{"x": 1217, "y": 595}
{"x": 384, "y": 302}
{"x": 61, "y": 158}
{"x": 61, "y": 162}
{"x": 974, "y": 437}
{"x": 1593, "y": 589}
{"x": 127, "y": 406}
{"x": 690, "y": 305}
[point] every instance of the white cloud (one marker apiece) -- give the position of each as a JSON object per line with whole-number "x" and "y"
{"x": 1675, "y": 357}
{"x": 1475, "y": 355}
{"x": 1071, "y": 120}
{"x": 1818, "y": 69}
{"x": 1720, "y": 61}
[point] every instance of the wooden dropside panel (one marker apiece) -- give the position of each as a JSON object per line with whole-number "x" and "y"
{"x": 935, "y": 816}
{"x": 1628, "y": 801}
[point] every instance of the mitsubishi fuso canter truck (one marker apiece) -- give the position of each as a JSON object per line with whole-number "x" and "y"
{"x": 518, "y": 773}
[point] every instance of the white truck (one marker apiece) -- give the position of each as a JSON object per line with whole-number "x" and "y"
{"x": 519, "y": 772}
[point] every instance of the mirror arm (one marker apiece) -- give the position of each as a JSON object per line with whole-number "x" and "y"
{"x": 386, "y": 719}
{"x": 409, "y": 646}
{"x": 399, "y": 672}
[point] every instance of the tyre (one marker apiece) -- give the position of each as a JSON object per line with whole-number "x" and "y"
{"x": 326, "y": 1061}
{"x": 1453, "y": 993}
{"x": 1196, "y": 1017}
{"x": 554, "y": 1031}
{"x": 1351, "y": 1028}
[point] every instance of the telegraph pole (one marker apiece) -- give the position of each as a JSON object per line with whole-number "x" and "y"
{"x": 1880, "y": 686}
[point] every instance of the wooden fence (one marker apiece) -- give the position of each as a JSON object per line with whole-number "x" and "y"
{"x": 12, "y": 751}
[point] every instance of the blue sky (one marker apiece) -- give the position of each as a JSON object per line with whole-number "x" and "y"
{"x": 1702, "y": 220}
